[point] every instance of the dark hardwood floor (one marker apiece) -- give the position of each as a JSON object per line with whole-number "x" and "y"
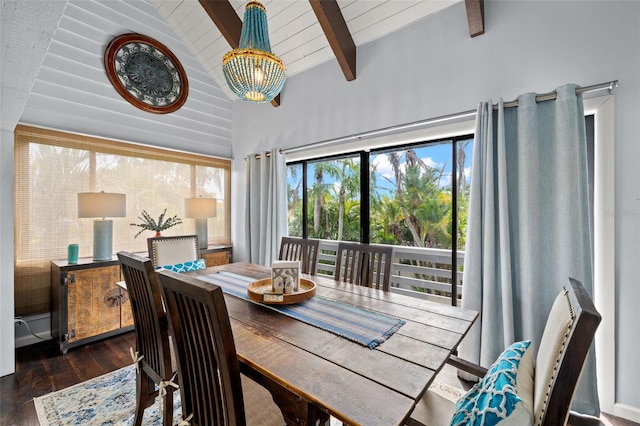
{"x": 41, "y": 369}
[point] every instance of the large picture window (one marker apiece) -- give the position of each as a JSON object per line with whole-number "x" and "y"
{"x": 52, "y": 167}
{"x": 413, "y": 197}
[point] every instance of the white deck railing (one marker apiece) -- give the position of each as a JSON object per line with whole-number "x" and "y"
{"x": 419, "y": 272}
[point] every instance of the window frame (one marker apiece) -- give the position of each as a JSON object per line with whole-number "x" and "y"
{"x": 365, "y": 155}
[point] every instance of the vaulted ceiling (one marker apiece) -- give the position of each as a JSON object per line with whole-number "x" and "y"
{"x": 62, "y": 83}
{"x": 302, "y": 33}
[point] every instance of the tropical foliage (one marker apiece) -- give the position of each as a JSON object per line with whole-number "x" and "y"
{"x": 411, "y": 206}
{"x": 150, "y": 224}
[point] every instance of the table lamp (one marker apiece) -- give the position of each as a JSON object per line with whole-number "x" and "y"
{"x": 201, "y": 209}
{"x": 102, "y": 205}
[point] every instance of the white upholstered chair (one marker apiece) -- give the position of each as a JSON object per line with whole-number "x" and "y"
{"x": 173, "y": 250}
{"x": 546, "y": 390}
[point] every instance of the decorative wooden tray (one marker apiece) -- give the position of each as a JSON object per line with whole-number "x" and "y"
{"x": 260, "y": 291}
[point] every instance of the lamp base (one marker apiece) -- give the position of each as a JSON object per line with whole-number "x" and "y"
{"x": 102, "y": 239}
{"x": 203, "y": 234}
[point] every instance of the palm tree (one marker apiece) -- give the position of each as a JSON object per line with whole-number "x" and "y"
{"x": 461, "y": 158}
{"x": 319, "y": 189}
{"x": 349, "y": 178}
{"x": 293, "y": 199}
{"x": 394, "y": 159}
{"x": 391, "y": 219}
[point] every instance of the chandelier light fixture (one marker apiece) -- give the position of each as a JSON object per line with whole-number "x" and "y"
{"x": 252, "y": 71}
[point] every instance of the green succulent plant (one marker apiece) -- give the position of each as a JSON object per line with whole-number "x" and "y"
{"x": 149, "y": 224}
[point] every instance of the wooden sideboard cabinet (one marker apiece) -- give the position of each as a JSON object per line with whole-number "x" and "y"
{"x": 88, "y": 305}
{"x": 216, "y": 255}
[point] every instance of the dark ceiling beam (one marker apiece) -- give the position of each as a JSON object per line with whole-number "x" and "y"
{"x": 229, "y": 23}
{"x": 335, "y": 28}
{"x": 475, "y": 16}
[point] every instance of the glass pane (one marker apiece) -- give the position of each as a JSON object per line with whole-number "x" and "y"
{"x": 333, "y": 190}
{"x": 294, "y": 199}
{"x": 410, "y": 196}
{"x": 411, "y": 206}
{"x": 464, "y": 157}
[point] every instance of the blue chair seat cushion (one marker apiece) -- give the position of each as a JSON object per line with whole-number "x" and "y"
{"x": 193, "y": 265}
{"x": 504, "y": 396}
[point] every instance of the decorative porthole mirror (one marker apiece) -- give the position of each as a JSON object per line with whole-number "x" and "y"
{"x": 146, "y": 73}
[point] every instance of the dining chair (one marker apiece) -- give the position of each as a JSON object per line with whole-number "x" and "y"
{"x": 534, "y": 396}
{"x": 303, "y": 249}
{"x": 155, "y": 365}
{"x": 173, "y": 250}
{"x": 364, "y": 264}
{"x": 212, "y": 390}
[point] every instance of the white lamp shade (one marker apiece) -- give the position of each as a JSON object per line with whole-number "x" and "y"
{"x": 200, "y": 208}
{"x": 101, "y": 204}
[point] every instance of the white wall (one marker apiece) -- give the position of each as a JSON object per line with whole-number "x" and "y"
{"x": 433, "y": 68}
{"x": 7, "y": 356}
{"x": 72, "y": 91}
{"x": 21, "y": 53}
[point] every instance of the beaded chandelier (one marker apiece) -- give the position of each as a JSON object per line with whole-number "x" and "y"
{"x": 252, "y": 71}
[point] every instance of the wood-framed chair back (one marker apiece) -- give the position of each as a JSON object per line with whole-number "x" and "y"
{"x": 211, "y": 388}
{"x": 561, "y": 355}
{"x": 153, "y": 347}
{"x": 172, "y": 250}
{"x": 303, "y": 249}
{"x": 364, "y": 264}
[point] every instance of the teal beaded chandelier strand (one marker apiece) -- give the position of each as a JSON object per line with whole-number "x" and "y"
{"x": 252, "y": 71}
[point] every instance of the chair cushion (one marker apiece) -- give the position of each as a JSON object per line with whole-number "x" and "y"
{"x": 504, "y": 395}
{"x": 553, "y": 340}
{"x": 172, "y": 250}
{"x": 193, "y": 265}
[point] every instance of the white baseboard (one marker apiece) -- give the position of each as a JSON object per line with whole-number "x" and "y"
{"x": 627, "y": 412}
{"x": 39, "y": 324}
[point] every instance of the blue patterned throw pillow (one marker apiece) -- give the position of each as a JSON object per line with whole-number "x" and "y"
{"x": 194, "y": 265}
{"x": 504, "y": 396}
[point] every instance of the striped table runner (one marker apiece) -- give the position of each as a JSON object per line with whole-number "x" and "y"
{"x": 351, "y": 322}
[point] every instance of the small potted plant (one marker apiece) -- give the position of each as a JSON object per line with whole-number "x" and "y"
{"x": 149, "y": 224}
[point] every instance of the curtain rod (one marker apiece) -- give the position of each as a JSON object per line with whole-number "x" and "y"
{"x": 540, "y": 98}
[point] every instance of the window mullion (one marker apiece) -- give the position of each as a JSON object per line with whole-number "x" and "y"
{"x": 305, "y": 201}
{"x": 365, "y": 222}
{"x": 454, "y": 222}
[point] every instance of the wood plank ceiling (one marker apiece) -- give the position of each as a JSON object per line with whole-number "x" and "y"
{"x": 302, "y": 33}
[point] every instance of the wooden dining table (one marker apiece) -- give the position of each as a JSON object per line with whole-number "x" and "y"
{"x": 312, "y": 373}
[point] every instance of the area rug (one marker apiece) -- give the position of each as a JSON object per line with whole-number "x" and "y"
{"x": 109, "y": 399}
